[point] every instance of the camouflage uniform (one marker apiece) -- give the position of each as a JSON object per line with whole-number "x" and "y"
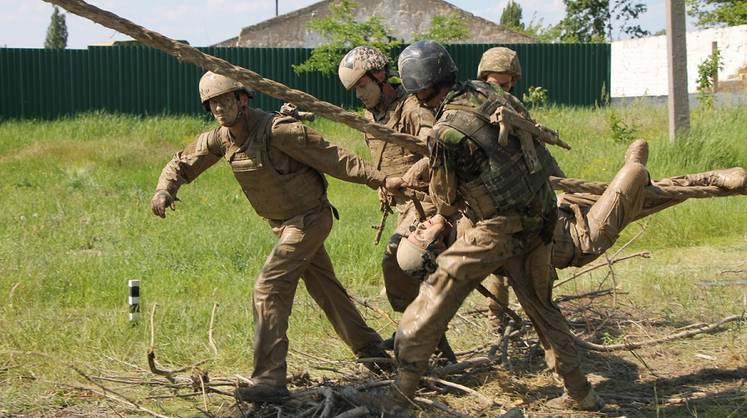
{"x": 279, "y": 165}
{"x": 513, "y": 212}
{"x": 405, "y": 115}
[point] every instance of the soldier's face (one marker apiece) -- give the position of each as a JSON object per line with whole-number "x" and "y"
{"x": 225, "y": 109}
{"x": 428, "y": 231}
{"x": 368, "y": 92}
{"x": 505, "y": 80}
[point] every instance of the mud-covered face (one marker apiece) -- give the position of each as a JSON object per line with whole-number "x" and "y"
{"x": 505, "y": 80}
{"x": 368, "y": 92}
{"x": 428, "y": 231}
{"x": 225, "y": 108}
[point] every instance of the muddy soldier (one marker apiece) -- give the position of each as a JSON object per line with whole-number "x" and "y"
{"x": 500, "y": 66}
{"x": 279, "y": 164}
{"x": 366, "y": 71}
{"x": 513, "y": 211}
{"x": 590, "y": 224}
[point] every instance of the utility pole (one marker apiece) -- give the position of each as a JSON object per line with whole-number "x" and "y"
{"x": 678, "y": 104}
{"x": 276, "y": 8}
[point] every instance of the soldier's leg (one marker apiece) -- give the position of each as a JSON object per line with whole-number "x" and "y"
{"x": 337, "y": 305}
{"x": 620, "y": 204}
{"x": 734, "y": 178}
{"x": 299, "y": 240}
{"x": 531, "y": 278}
{"x": 460, "y": 268}
{"x": 498, "y": 286}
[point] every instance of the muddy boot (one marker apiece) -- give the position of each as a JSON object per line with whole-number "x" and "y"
{"x": 637, "y": 152}
{"x": 444, "y": 354}
{"x": 376, "y": 359}
{"x": 259, "y": 392}
{"x": 729, "y": 179}
{"x": 590, "y": 402}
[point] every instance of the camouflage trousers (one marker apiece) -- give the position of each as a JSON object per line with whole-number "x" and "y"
{"x": 401, "y": 288}
{"x": 300, "y": 254}
{"x": 491, "y": 246}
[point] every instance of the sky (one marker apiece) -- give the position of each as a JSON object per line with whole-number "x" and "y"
{"x": 23, "y": 23}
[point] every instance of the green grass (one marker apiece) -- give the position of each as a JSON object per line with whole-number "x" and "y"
{"x": 75, "y": 225}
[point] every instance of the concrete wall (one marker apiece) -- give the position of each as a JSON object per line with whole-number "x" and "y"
{"x": 401, "y": 17}
{"x": 639, "y": 66}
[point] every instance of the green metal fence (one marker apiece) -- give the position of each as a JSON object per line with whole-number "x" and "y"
{"x": 41, "y": 83}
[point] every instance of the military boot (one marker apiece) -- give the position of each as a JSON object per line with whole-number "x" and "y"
{"x": 376, "y": 359}
{"x": 260, "y": 392}
{"x": 590, "y": 402}
{"x": 637, "y": 152}
{"x": 729, "y": 179}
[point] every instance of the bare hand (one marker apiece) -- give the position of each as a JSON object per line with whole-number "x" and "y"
{"x": 394, "y": 184}
{"x": 161, "y": 200}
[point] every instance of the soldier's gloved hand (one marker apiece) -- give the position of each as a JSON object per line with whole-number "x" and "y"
{"x": 394, "y": 184}
{"x": 161, "y": 200}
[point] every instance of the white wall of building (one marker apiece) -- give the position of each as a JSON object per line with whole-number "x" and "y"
{"x": 639, "y": 66}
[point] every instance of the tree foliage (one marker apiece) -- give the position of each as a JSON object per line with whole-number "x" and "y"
{"x": 445, "y": 29}
{"x": 714, "y": 13}
{"x": 592, "y": 20}
{"x": 511, "y": 16}
{"x": 343, "y": 33}
{"x": 57, "y": 31}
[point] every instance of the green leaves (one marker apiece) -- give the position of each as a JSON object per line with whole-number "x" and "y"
{"x": 344, "y": 33}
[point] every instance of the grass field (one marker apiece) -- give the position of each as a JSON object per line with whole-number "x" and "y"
{"x": 75, "y": 225}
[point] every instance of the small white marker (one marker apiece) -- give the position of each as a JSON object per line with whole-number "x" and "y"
{"x": 133, "y": 299}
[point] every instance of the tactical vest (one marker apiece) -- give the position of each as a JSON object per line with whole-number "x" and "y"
{"x": 391, "y": 159}
{"x": 273, "y": 195}
{"x": 507, "y": 182}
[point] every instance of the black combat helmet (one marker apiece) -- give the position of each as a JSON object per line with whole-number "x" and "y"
{"x": 425, "y": 64}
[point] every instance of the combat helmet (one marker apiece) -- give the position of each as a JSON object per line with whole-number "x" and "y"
{"x": 360, "y": 61}
{"x": 425, "y": 64}
{"x": 213, "y": 85}
{"x": 411, "y": 258}
{"x": 499, "y": 60}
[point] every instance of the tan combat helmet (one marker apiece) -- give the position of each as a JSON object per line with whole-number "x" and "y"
{"x": 358, "y": 62}
{"x": 411, "y": 258}
{"x": 499, "y": 60}
{"x": 213, "y": 85}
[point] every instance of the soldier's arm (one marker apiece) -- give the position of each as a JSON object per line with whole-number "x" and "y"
{"x": 307, "y": 146}
{"x": 443, "y": 182}
{"x": 189, "y": 163}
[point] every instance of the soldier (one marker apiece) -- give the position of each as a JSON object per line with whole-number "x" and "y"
{"x": 366, "y": 70}
{"x": 513, "y": 210}
{"x": 589, "y": 224}
{"x": 500, "y": 66}
{"x": 279, "y": 164}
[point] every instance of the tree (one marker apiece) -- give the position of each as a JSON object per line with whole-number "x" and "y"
{"x": 57, "y": 31}
{"x": 511, "y": 16}
{"x": 591, "y": 20}
{"x": 445, "y": 29}
{"x": 343, "y": 33}
{"x": 713, "y": 13}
